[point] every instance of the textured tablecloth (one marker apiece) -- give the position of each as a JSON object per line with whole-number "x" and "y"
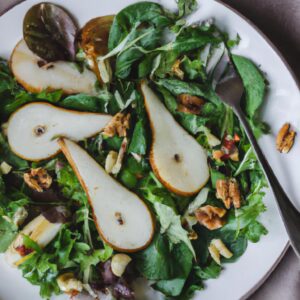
{"x": 280, "y": 21}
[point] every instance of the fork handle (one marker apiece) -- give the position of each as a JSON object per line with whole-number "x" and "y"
{"x": 289, "y": 214}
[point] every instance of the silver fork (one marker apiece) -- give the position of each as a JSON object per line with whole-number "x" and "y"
{"x": 230, "y": 90}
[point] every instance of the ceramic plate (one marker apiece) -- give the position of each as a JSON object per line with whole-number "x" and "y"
{"x": 239, "y": 279}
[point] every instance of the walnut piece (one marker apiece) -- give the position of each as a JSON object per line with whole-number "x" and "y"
{"x": 190, "y": 104}
{"x": 285, "y": 138}
{"x": 228, "y": 191}
{"x": 38, "y": 179}
{"x": 210, "y": 216}
{"x": 176, "y": 69}
{"x": 118, "y": 125}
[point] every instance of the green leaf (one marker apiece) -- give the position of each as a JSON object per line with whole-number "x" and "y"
{"x": 138, "y": 142}
{"x": 177, "y": 87}
{"x": 8, "y": 232}
{"x": 254, "y": 231}
{"x": 185, "y": 7}
{"x": 255, "y": 89}
{"x": 30, "y": 244}
{"x": 213, "y": 270}
{"x": 171, "y": 225}
{"x": 249, "y": 162}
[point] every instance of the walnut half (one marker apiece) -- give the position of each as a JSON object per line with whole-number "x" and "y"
{"x": 285, "y": 138}
{"x": 38, "y": 179}
{"x": 228, "y": 191}
{"x": 210, "y": 216}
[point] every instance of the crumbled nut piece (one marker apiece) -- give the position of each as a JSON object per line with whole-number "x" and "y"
{"x": 193, "y": 235}
{"x": 69, "y": 284}
{"x": 224, "y": 251}
{"x": 210, "y": 216}
{"x": 176, "y": 69}
{"x": 217, "y": 248}
{"x": 228, "y": 191}
{"x": 5, "y": 168}
{"x": 214, "y": 253}
{"x": 217, "y": 155}
{"x": 118, "y": 125}
{"x": 228, "y": 149}
{"x": 118, "y": 165}
{"x": 285, "y": 138}
{"x": 119, "y": 262}
{"x": 190, "y": 104}
{"x": 38, "y": 179}
{"x": 110, "y": 161}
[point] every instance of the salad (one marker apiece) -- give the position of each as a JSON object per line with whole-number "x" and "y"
{"x": 119, "y": 162}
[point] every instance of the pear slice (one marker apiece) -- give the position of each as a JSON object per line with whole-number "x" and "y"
{"x": 176, "y": 158}
{"x": 32, "y": 129}
{"x": 123, "y": 220}
{"x": 35, "y": 75}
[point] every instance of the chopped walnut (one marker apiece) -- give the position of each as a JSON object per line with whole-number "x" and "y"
{"x": 190, "y": 104}
{"x": 118, "y": 125}
{"x": 285, "y": 138}
{"x": 228, "y": 149}
{"x": 210, "y": 216}
{"x": 192, "y": 235}
{"x": 38, "y": 179}
{"x": 228, "y": 191}
{"x": 176, "y": 69}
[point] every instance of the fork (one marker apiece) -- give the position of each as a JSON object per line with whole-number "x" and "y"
{"x": 230, "y": 90}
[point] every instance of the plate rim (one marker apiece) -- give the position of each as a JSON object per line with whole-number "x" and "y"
{"x": 297, "y": 82}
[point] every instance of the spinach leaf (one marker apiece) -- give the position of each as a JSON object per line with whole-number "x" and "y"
{"x": 177, "y": 87}
{"x": 169, "y": 265}
{"x": 83, "y": 102}
{"x": 138, "y": 142}
{"x": 140, "y": 26}
{"x": 255, "y": 89}
{"x": 171, "y": 226}
{"x": 8, "y": 232}
{"x": 50, "y": 32}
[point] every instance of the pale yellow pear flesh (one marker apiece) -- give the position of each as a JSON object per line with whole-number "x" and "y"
{"x": 123, "y": 220}
{"x": 176, "y": 158}
{"x": 60, "y": 75}
{"x": 33, "y": 129}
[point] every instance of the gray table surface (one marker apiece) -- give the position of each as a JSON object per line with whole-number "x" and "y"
{"x": 280, "y": 21}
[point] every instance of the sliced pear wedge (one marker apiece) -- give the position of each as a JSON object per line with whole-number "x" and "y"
{"x": 176, "y": 158}
{"x": 35, "y": 75}
{"x": 33, "y": 128}
{"x": 123, "y": 220}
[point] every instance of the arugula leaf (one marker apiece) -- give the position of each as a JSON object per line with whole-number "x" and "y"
{"x": 185, "y": 7}
{"x": 171, "y": 225}
{"x": 8, "y": 232}
{"x": 247, "y": 213}
{"x": 254, "y": 231}
{"x": 213, "y": 270}
{"x": 249, "y": 162}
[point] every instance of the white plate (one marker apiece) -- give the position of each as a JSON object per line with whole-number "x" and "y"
{"x": 239, "y": 279}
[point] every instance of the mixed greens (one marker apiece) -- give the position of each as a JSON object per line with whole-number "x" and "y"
{"x": 178, "y": 59}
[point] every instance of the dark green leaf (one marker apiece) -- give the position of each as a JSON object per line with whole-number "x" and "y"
{"x": 50, "y": 32}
